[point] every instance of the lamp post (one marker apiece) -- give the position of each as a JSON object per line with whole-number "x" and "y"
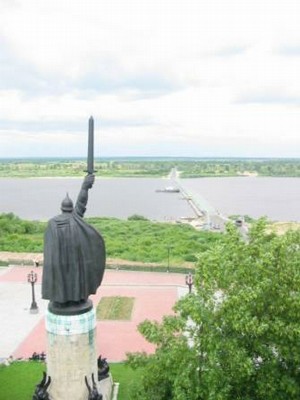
{"x": 168, "y": 266}
{"x": 32, "y": 278}
{"x": 189, "y": 281}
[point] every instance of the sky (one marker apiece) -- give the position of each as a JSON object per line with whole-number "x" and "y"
{"x": 180, "y": 78}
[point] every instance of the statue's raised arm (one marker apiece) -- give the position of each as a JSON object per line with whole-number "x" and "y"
{"x": 82, "y": 198}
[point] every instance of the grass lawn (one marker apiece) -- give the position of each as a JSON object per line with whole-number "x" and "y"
{"x": 18, "y": 381}
{"x": 126, "y": 377}
{"x": 115, "y": 308}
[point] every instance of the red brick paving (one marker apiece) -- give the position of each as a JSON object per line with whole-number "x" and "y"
{"x": 19, "y": 274}
{"x": 154, "y": 293}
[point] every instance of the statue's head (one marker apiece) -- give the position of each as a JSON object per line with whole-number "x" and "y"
{"x": 67, "y": 204}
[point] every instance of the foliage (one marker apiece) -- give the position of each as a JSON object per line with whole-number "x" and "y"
{"x": 137, "y": 240}
{"x": 246, "y": 218}
{"x": 237, "y": 335}
{"x": 147, "y": 241}
{"x": 20, "y": 235}
{"x": 11, "y": 224}
{"x": 239, "y": 167}
{"x": 156, "y": 167}
{"x": 75, "y": 167}
{"x": 137, "y": 217}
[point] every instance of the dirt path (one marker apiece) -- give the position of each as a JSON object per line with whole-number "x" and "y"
{"x": 27, "y": 258}
{"x": 11, "y": 257}
{"x": 31, "y": 258}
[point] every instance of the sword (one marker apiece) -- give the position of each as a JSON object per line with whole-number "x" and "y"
{"x": 90, "y": 157}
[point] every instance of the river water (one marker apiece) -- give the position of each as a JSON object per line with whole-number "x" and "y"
{"x": 276, "y": 198}
{"x": 117, "y": 197}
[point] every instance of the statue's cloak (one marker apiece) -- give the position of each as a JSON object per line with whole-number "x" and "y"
{"x": 74, "y": 259}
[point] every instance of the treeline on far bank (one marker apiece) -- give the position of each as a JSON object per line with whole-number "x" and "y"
{"x": 135, "y": 239}
{"x": 143, "y": 167}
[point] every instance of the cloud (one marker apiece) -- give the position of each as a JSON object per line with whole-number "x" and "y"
{"x": 268, "y": 97}
{"x": 107, "y": 76}
{"x": 18, "y": 75}
{"x": 231, "y": 51}
{"x": 289, "y": 50}
{"x": 183, "y": 77}
{"x": 78, "y": 126}
{"x": 141, "y": 85}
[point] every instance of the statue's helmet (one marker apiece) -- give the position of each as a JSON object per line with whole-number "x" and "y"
{"x": 67, "y": 204}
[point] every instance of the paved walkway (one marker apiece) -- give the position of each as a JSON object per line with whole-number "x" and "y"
{"x": 22, "y": 333}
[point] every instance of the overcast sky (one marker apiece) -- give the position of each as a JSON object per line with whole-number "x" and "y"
{"x": 161, "y": 77}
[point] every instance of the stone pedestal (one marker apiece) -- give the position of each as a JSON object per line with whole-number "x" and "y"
{"x": 106, "y": 388}
{"x": 71, "y": 354}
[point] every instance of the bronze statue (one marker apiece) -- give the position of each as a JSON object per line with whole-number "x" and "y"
{"x": 93, "y": 392}
{"x": 40, "y": 392}
{"x": 74, "y": 252}
{"x": 103, "y": 368}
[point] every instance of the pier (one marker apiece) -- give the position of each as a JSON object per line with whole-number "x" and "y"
{"x": 206, "y": 216}
{"x": 189, "y": 198}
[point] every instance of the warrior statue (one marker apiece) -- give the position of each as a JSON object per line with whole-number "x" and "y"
{"x": 74, "y": 252}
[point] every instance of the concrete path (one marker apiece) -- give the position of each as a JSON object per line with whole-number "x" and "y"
{"x": 22, "y": 333}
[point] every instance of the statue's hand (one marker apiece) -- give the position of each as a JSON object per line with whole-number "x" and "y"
{"x": 89, "y": 181}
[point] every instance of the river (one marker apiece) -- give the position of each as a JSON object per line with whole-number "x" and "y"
{"x": 276, "y": 198}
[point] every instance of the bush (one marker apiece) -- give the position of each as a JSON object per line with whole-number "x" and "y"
{"x": 137, "y": 217}
{"x": 135, "y": 240}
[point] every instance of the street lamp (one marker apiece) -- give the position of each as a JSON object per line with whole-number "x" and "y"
{"x": 189, "y": 281}
{"x": 32, "y": 278}
{"x": 168, "y": 266}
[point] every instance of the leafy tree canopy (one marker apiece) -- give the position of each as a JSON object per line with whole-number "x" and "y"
{"x": 237, "y": 335}
{"x": 137, "y": 217}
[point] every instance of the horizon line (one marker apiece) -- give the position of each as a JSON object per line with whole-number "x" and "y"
{"x": 99, "y": 158}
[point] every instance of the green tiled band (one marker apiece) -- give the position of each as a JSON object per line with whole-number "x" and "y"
{"x": 70, "y": 324}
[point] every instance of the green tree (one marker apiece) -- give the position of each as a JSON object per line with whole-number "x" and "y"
{"x": 137, "y": 217}
{"x": 237, "y": 335}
